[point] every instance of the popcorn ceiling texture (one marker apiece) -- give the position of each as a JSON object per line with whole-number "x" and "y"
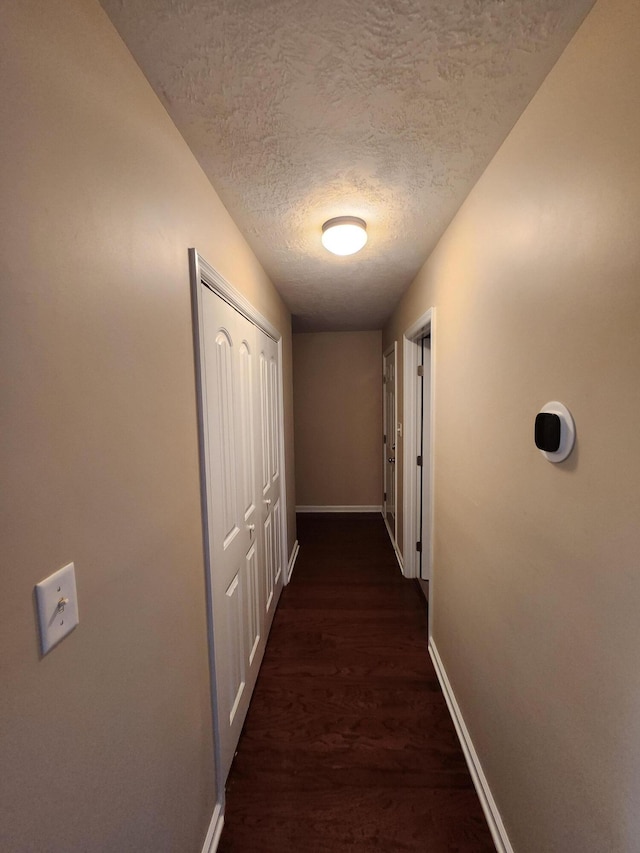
{"x": 299, "y": 111}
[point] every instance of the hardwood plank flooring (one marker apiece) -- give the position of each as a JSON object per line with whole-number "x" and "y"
{"x": 348, "y": 744}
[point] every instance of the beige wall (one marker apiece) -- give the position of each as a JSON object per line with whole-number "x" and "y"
{"x": 536, "y": 583}
{"x": 106, "y": 743}
{"x": 337, "y": 395}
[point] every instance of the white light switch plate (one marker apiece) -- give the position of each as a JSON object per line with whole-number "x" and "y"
{"x": 57, "y": 606}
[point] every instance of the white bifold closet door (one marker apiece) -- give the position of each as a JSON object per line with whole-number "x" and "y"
{"x": 240, "y": 401}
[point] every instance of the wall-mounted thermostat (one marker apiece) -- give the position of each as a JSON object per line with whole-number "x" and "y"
{"x": 555, "y": 432}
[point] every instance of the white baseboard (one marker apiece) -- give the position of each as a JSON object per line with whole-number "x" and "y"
{"x": 350, "y": 508}
{"x": 292, "y": 560}
{"x": 496, "y": 826}
{"x": 396, "y": 550}
{"x": 215, "y": 830}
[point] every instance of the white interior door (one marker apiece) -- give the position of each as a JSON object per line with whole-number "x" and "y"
{"x": 239, "y": 375}
{"x": 229, "y": 371}
{"x": 390, "y": 432}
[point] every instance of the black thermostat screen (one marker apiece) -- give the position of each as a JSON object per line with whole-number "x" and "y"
{"x": 547, "y": 432}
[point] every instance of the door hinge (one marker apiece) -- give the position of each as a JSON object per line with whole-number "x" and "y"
{"x": 419, "y": 462}
{"x": 419, "y": 547}
{"x": 384, "y": 439}
{"x": 421, "y": 370}
{"x": 385, "y": 496}
{"x": 384, "y": 380}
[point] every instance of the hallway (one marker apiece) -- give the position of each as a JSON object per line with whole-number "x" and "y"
{"x": 348, "y": 744}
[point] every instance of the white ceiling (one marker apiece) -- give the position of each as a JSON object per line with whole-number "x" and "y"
{"x": 299, "y": 111}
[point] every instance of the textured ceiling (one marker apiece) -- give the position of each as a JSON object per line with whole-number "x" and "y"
{"x": 299, "y": 111}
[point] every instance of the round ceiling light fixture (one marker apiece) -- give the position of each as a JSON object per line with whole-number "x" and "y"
{"x": 344, "y": 235}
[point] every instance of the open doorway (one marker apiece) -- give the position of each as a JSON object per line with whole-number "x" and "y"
{"x": 418, "y": 387}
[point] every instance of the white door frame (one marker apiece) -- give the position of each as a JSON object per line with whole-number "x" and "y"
{"x": 393, "y": 349}
{"x": 202, "y": 274}
{"x": 424, "y": 325}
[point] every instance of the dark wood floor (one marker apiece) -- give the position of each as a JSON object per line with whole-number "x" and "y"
{"x": 348, "y": 744}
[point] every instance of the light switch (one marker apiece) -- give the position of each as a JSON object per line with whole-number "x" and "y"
{"x": 57, "y": 602}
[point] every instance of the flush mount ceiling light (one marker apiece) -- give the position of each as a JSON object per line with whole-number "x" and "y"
{"x": 344, "y": 235}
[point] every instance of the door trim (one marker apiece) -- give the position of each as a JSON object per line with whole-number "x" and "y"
{"x": 212, "y": 838}
{"x": 424, "y": 325}
{"x": 393, "y": 534}
{"x": 203, "y": 274}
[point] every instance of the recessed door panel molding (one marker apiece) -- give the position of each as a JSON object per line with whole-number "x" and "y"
{"x": 239, "y": 381}
{"x": 223, "y": 391}
{"x": 268, "y": 563}
{"x": 253, "y": 603}
{"x": 247, "y": 440}
{"x": 265, "y": 421}
{"x": 277, "y": 544}
{"x": 273, "y": 419}
{"x": 235, "y": 644}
